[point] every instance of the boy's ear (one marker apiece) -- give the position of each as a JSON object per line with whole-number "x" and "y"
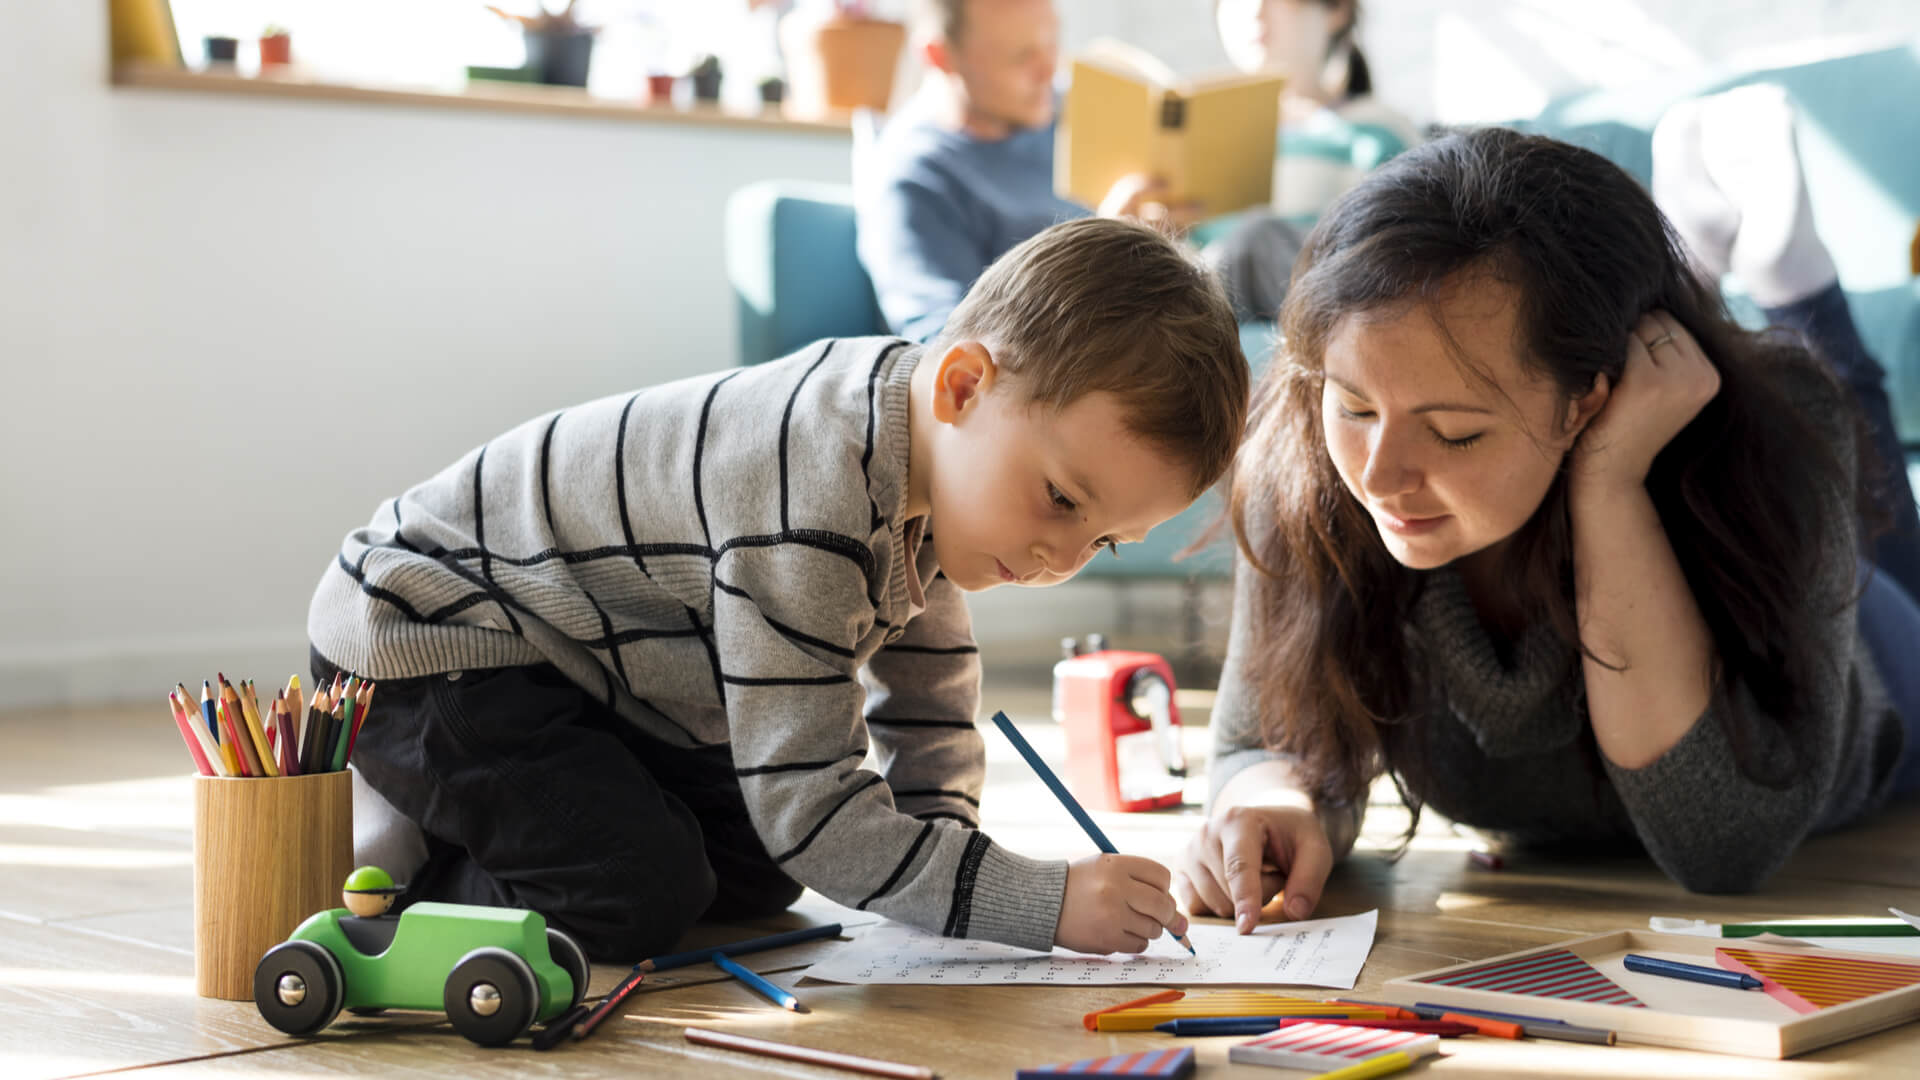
{"x": 964, "y": 372}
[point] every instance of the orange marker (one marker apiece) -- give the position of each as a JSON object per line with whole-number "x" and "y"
{"x": 1499, "y": 1029}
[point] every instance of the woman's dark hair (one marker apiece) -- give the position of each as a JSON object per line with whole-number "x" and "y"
{"x": 1749, "y": 492}
{"x": 1359, "y": 75}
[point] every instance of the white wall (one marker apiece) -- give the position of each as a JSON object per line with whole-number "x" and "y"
{"x": 231, "y": 326}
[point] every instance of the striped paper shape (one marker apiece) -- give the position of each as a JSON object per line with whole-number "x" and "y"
{"x": 1169, "y": 1062}
{"x": 1224, "y": 1003}
{"x": 1329, "y": 1046}
{"x": 1807, "y": 983}
{"x": 1556, "y": 973}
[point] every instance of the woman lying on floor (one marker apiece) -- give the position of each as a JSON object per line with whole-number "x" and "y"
{"x": 1528, "y": 522}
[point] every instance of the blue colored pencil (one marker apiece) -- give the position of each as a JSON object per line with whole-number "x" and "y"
{"x": 737, "y": 948}
{"x": 1235, "y": 1025}
{"x": 759, "y": 985}
{"x": 1674, "y": 969}
{"x": 1066, "y": 798}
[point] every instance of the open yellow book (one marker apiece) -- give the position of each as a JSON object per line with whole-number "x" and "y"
{"x": 1212, "y": 141}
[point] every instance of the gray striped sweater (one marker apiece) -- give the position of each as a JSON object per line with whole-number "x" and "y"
{"x": 725, "y": 560}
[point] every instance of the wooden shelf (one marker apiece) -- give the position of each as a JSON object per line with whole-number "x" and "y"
{"x": 477, "y": 95}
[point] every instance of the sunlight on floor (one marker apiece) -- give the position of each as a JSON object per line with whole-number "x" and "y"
{"x": 72, "y": 858}
{"x": 96, "y": 982}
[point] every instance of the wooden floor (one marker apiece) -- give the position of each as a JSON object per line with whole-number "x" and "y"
{"x": 96, "y": 964}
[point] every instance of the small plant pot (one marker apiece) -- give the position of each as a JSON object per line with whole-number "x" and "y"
{"x": 222, "y": 50}
{"x": 660, "y": 89}
{"x": 560, "y": 59}
{"x": 276, "y": 49}
{"x": 773, "y": 91}
{"x": 706, "y": 85}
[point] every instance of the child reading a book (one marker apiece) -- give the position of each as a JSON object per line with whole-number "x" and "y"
{"x": 633, "y": 655}
{"x": 1529, "y": 522}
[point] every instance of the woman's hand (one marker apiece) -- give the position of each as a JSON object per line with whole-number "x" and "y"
{"x": 1244, "y": 855}
{"x": 1666, "y": 382}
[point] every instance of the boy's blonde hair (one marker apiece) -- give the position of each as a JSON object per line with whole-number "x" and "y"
{"x": 1110, "y": 304}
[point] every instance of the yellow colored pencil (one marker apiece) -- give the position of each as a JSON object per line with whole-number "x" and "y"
{"x": 250, "y": 715}
{"x": 1378, "y": 1065}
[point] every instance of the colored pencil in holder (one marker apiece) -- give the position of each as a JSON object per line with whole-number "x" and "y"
{"x": 194, "y": 750}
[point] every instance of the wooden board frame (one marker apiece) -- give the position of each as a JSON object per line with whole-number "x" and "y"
{"x": 1678, "y": 1013}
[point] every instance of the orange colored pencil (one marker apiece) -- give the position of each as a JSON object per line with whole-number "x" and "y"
{"x": 1092, "y": 1019}
{"x": 240, "y": 744}
{"x": 359, "y": 716}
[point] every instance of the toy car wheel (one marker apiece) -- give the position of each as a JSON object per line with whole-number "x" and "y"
{"x": 298, "y": 987}
{"x": 491, "y": 996}
{"x": 572, "y": 959}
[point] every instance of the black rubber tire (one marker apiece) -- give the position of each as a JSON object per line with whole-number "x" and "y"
{"x": 326, "y": 987}
{"x": 519, "y": 996}
{"x": 572, "y": 959}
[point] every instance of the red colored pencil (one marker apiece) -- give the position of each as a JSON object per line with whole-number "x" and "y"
{"x": 242, "y": 748}
{"x": 186, "y": 733}
{"x": 1092, "y": 1019}
{"x": 359, "y": 716}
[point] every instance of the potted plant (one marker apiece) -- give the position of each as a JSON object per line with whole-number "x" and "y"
{"x": 840, "y": 56}
{"x": 705, "y": 75}
{"x": 773, "y": 89}
{"x": 559, "y": 47}
{"x": 222, "y": 50}
{"x": 276, "y": 46}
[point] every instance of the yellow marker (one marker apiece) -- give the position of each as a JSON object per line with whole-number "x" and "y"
{"x": 1378, "y": 1065}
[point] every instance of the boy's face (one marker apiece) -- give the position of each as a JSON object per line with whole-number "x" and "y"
{"x": 1022, "y": 495}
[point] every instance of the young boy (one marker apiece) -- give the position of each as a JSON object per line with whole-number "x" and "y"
{"x": 631, "y": 654}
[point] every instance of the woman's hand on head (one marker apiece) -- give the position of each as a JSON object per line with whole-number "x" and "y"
{"x": 1244, "y": 855}
{"x": 1667, "y": 380}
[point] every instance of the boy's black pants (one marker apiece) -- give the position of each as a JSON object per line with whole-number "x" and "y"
{"x": 534, "y": 795}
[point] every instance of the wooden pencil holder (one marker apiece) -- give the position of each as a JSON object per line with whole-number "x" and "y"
{"x": 267, "y": 853}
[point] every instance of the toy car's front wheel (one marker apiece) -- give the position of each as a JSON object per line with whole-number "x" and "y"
{"x": 298, "y": 987}
{"x": 572, "y": 959}
{"x": 491, "y": 996}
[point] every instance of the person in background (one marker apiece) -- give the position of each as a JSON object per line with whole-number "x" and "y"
{"x": 1333, "y": 130}
{"x": 1726, "y": 171}
{"x": 964, "y": 171}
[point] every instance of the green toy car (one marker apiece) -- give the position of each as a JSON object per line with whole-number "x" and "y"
{"x": 494, "y": 971}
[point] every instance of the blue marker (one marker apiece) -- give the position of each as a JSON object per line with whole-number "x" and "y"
{"x": 1066, "y": 798}
{"x": 1674, "y": 969}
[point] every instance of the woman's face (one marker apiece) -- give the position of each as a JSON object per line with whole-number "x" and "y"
{"x": 1287, "y": 36}
{"x": 1447, "y": 464}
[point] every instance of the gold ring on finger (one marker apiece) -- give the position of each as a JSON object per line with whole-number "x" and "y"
{"x": 1659, "y": 341}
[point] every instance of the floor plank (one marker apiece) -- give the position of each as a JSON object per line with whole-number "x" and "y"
{"x": 96, "y": 933}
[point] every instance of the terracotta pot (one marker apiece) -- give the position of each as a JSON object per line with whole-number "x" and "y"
{"x": 660, "y": 89}
{"x": 277, "y": 49}
{"x": 842, "y": 63}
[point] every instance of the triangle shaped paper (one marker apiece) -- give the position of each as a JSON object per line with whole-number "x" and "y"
{"x": 1165, "y": 1062}
{"x": 1811, "y": 982}
{"x": 1555, "y": 973}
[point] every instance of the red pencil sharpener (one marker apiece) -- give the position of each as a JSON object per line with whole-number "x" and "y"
{"x": 1122, "y": 727}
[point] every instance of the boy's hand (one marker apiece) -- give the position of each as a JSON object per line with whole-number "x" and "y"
{"x": 1244, "y": 855}
{"x": 1116, "y": 903}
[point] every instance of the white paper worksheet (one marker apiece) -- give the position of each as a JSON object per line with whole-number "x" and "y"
{"x": 1318, "y": 952}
